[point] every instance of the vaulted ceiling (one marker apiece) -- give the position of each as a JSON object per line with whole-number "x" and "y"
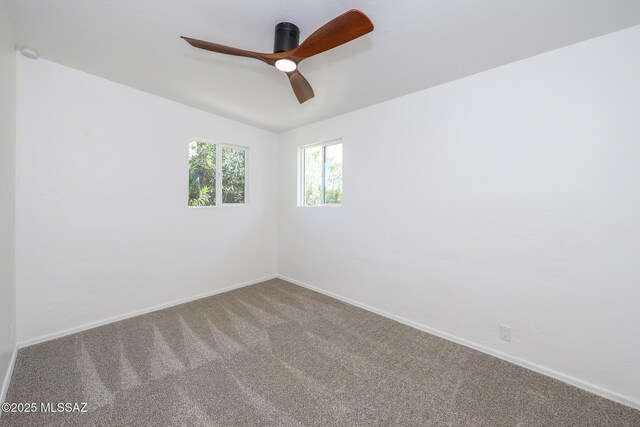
{"x": 416, "y": 44}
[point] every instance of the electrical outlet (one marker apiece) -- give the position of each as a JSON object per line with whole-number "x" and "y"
{"x": 505, "y": 332}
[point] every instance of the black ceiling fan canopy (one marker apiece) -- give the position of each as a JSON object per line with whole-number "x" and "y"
{"x": 287, "y": 37}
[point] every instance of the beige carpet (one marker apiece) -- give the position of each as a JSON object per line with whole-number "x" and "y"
{"x": 278, "y": 354}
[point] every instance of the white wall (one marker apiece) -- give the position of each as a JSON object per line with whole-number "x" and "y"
{"x": 7, "y": 196}
{"x": 103, "y": 228}
{"x": 511, "y": 196}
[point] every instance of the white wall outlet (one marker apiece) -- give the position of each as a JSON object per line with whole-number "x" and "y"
{"x": 505, "y": 332}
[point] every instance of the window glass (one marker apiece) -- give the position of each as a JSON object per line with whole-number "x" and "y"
{"x": 202, "y": 174}
{"x": 333, "y": 173}
{"x": 233, "y": 175}
{"x": 313, "y": 176}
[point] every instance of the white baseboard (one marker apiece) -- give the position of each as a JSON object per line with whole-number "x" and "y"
{"x": 7, "y": 377}
{"x": 79, "y": 328}
{"x": 591, "y": 388}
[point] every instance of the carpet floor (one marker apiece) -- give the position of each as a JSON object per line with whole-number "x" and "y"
{"x": 278, "y": 354}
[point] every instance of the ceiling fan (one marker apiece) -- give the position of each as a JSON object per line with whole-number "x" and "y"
{"x": 287, "y": 54}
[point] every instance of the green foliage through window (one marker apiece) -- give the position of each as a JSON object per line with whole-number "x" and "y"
{"x": 205, "y": 189}
{"x": 233, "y": 172}
{"x": 322, "y": 174}
{"x": 202, "y": 174}
{"x": 333, "y": 173}
{"x": 313, "y": 176}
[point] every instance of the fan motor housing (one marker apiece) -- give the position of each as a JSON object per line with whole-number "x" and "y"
{"x": 287, "y": 37}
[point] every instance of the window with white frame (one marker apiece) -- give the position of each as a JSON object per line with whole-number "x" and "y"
{"x": 217, "y": 174}
{"x": 321, "y": 174}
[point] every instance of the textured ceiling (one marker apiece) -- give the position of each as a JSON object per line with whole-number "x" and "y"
{"x": 415, "y": 45}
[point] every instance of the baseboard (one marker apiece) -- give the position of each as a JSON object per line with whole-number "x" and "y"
{"x": 7, "y": 377}
{"x": 80, "y": 328}
{"x": 591, "y": 388}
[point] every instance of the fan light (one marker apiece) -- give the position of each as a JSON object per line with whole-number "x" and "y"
{"x": 285, "y": 65}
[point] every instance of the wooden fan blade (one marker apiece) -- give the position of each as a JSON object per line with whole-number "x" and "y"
{"x": 346, "y": 27}
{"x": 301, "y": 86}
{"x": 220, "y": 48}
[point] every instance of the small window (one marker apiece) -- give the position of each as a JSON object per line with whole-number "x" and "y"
{"x": 321, "y": 174}
{"x": 210, "y": 185}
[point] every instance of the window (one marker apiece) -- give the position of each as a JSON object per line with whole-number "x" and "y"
{"x": 321, "y": 174}
{"x": 210, "y": 185}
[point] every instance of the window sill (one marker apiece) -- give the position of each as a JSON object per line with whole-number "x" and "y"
{"x": 228, "y": 205}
